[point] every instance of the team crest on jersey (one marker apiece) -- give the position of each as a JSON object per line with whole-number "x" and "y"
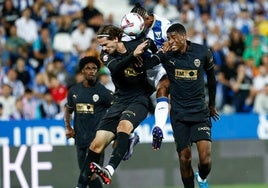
{"x": 105, "y": 57}
{"x": 157, "y": 35}
{"x": 197, "y": 62}
{"x": 95, "y": 97}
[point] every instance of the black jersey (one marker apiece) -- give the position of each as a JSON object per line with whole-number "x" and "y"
{"x": 129, "y": 80}
{"x": 187, "y": 85}
{"x": 89, "y": 105}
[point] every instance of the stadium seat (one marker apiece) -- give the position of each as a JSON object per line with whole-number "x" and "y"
{"x": 62, "y": 42}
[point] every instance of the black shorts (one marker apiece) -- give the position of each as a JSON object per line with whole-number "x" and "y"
{"x": 135, "y": 112}
{"x": 186, "y": 132}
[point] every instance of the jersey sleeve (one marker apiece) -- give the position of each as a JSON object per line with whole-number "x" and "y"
{"x": 117, "y": 64}
{"x": 109, "y": 97}
{"x": 70, "y": 102}
{"x": 209, "y": 64}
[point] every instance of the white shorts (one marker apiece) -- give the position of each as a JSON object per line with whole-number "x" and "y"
{"x": 155, "y": 74}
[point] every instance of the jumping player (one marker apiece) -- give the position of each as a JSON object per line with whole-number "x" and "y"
{"x": 155, "y": 29}
{"x": 186, "y": 64}
{"x": 131, "y": 105}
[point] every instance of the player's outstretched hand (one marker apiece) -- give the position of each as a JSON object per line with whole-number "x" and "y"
{"x": 213, "y": 113}
{"x": 157, "y": 138}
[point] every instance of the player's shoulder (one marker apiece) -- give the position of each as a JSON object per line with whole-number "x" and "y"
{"x": 197, "y": 47}
{"x": 102, "y": 89}
{"x": 161, "y": 19}
{"x": 75, "y": 87}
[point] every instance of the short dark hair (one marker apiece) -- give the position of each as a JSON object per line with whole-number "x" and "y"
{"x": 139, "y": 10}
{"x": 177, "y": 27}
{"x": 89, "y": 59}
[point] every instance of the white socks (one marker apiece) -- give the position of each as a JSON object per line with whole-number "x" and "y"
{"x": 110, "y": 169}
{"x": 161, "y": 112}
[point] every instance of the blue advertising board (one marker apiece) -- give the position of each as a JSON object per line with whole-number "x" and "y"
{"x": 229, "y": 127}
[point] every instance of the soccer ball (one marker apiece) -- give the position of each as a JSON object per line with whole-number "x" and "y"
{"x": 132, "y": 24}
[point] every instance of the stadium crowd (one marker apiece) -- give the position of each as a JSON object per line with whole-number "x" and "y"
{"x": 41, "y": 42}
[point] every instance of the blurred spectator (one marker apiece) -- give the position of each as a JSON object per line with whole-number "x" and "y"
{"x": 149, "y": 5}
{"x": 252, "y": 54}
{"x": 58, "y": 90}
{"x": 11, "y": 78}
{"x": 3, "y": 51}
{"x": 16, "y": 46}
{"x": 8, "y": 101}
{"x": 23, "y": 4}
{"x": 236, "y": 43}
{"x": 226, "y": 74}
{"x": 81, "y": 38}
{"x": 264, "y": 61}
{"x": 27, "y": 27}
{"x": 194, "y": 36}
{"x": 244, "y": 22}
{"x": 188, "y": 9}
{"x": 62, "y": 75}
{"x": 48, "y": 73}
{"x": 204, "y": 25}
{"x": 39, "y": 87}
{"x": 30, "y": 105}
{"x": 201, "y": 7}
{"x": 93, "y": 17}
{"x": 69, "y": 10}
{"x": 18, "y": 114}
{"x": 9, "y": 15}
{"x": 2, "y": 118}
{"x": 241, "y": 87}
{"x": 263, "y": 40}
{"x": 218, "y": 54}
{"x": 184, "y": 19}
{"x": 261, "y": 102}
{"x": 222, "y": 19}
{"x": 259, "y": 82}
{"x": 166, "y": 10}
{"x": 24, "y": 73}
{"x": 48, "y": 107}
{"x": 93, "y": 50}
{"x": 242, "y": 5}
{"x": 42, "y": 49}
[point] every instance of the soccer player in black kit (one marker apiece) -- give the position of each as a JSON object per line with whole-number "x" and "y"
{"x": 131, "y": 105}
{"x": 186, "y": 65}
{"x": 89, "y": 101}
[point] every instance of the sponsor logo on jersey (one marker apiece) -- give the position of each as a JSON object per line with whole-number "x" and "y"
{"x": 185, "y": 74}
{"x": 85, "y": 108}
{"x": 131, "y": 72}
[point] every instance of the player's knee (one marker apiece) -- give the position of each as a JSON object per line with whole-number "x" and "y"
{"x": 185, "y": 157}
{"x": 204, "y": 158}
{"x": 125, "y": 126}
{"x": 163, "y": 88}
{"x": 96, "y": 146}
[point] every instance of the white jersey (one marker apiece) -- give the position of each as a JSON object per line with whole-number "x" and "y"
{"x": 158, "y": 33}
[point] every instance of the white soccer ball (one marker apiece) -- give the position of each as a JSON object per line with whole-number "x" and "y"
{"x": 132, "y": 24}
